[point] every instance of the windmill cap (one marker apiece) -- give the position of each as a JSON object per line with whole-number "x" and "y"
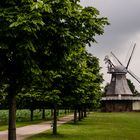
{"x": 120, "y": 69}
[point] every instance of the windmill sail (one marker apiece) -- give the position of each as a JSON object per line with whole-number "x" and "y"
{"x": 129, "y": 71}
{"x": 134, "y": 76}
{"x": 131, "y": 56}
{"x": 116, "y": 58}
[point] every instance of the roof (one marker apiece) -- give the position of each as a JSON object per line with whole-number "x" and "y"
{"x": 133, "y": 98}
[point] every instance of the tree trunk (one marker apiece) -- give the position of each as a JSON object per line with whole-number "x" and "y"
{"x": 55, "y": 120}
{"x": 57, "y": 113}
{"x": 65, "y": 111}
{"x": 52, "y": 113}
{"x": 43, "y": 113}
{"x": 88, "y": 111}
{"x": 12, "y": 116}
{"x": 85, "y": 112}
{"x": 79, "y": 114}
{"x": 32, "y": 114}
{"x": 82, "y": 113}
{"x": 75, "y": 116}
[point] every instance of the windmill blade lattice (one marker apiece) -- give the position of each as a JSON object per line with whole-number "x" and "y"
{"x": 129, "y": 71}
{"x": 134, "y": 76}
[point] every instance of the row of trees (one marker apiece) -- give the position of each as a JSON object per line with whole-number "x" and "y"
{"x": 43, "y": 55}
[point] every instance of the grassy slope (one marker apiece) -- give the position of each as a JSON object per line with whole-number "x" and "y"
{"x": 99, "y": 126}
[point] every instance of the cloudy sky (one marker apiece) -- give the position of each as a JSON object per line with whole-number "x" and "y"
{"x": 120, "y": 36}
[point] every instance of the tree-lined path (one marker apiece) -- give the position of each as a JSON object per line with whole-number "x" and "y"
{"x": 26, "y": 131}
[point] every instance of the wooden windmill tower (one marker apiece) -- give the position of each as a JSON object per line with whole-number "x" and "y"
{"x": 118, "y": 95}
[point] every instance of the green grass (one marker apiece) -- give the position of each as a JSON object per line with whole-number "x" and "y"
{"x": 98, "y": 126}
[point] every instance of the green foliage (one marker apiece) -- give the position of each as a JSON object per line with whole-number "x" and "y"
{"x": 132, "y": 87}
{"x": 65, "y": 25}
{"x": 18, "y": 25}
{"x": 43, "y": 55}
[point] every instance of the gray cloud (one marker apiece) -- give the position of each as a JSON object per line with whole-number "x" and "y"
{"x": 123, "y": 32}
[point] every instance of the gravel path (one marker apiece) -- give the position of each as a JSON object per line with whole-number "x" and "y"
{"x": 26, "y": 131}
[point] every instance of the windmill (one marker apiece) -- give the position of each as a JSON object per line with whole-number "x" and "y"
{"x": 118, "y": 95}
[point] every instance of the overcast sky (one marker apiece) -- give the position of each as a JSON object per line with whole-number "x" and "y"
{"x": 120, "y": 36}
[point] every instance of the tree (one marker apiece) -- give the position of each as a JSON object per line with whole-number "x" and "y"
{"x": 3, "y": 97}
{"x": 19, "y": 21}
{"x": 93, "y": 81}
{"x": 81, "y": 81}
{"x": 68, "y": 27}
{"x": 132, "y": 87}
{"x": 34, "y": 35}
{"x": 106, "y": 88}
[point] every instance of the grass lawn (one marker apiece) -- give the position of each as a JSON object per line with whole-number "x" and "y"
{"x": 98, "y": 126}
